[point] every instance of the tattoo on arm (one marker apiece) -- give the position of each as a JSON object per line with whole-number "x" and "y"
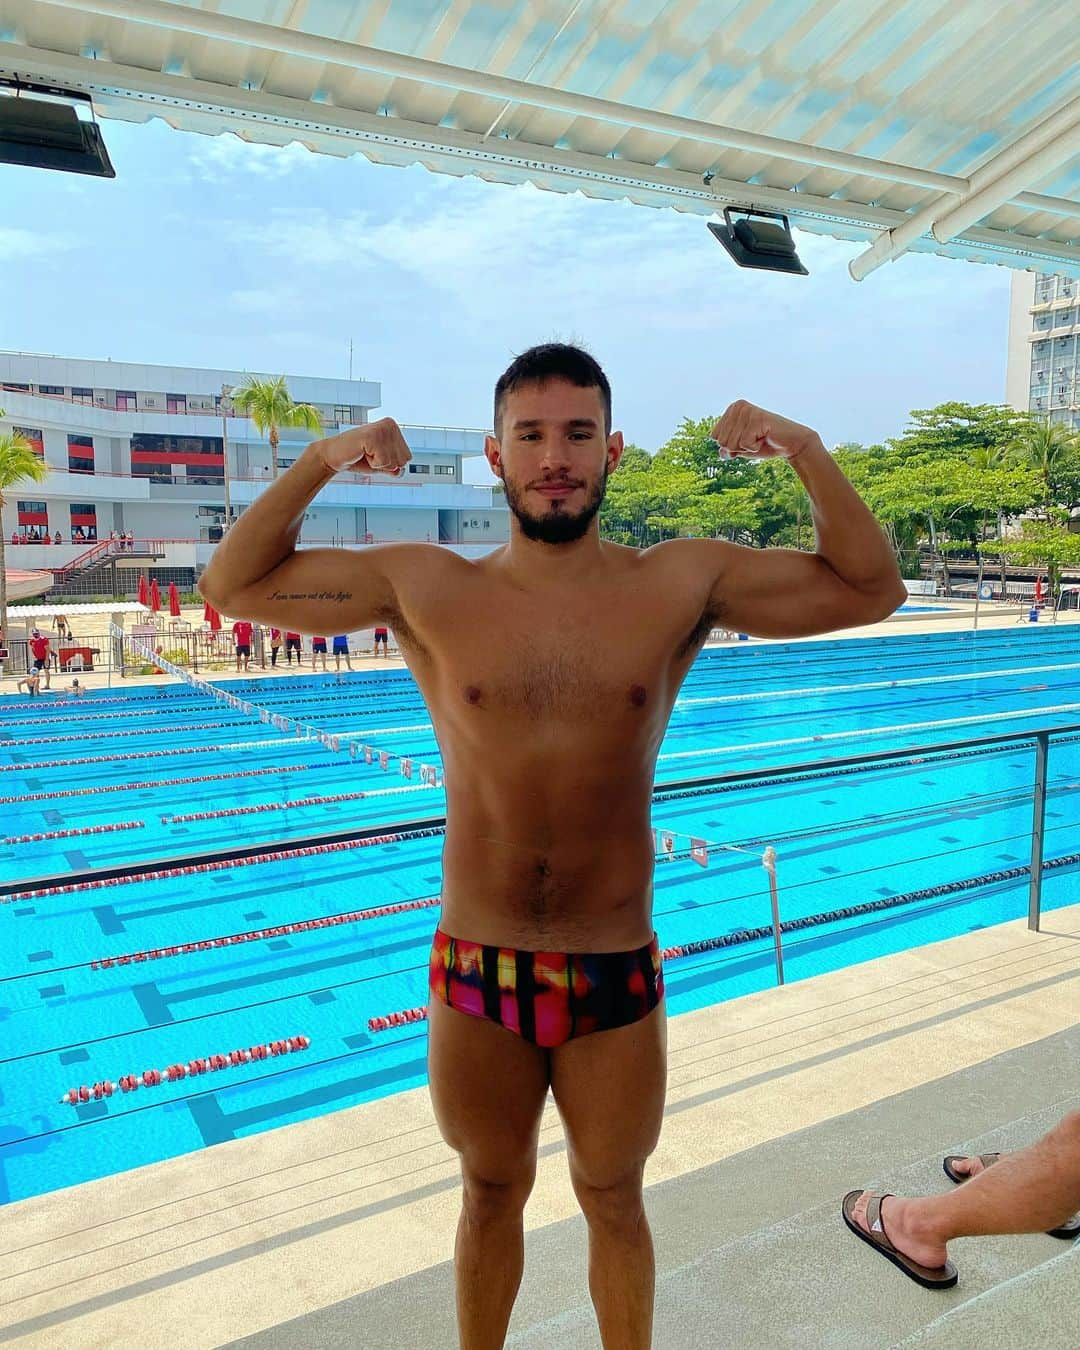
{"x": 310, "y": 595}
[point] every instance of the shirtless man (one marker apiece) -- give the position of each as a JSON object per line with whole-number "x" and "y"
{"x": 550, "y": 667}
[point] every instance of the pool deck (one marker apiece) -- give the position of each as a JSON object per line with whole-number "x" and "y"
{"x": 338, "y": 1231}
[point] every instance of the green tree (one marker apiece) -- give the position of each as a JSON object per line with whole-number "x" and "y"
{"x": 1045, "y": 545}
{"x": 957, "y": 430}
{"x": 692, "y": 447}
{"x": 18, "y": 463}
{"x": 269, "y": 405}
{"x": 1053, "y": 452}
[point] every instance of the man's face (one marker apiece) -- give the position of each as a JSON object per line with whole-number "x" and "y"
{"x": 554, "y": 458}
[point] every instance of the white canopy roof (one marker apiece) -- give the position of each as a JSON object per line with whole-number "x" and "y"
{"x": 43, "y": 611}
{"x": 949, "y": 126}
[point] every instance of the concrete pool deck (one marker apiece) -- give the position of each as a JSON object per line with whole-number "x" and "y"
{"x": 338, "y": 1231}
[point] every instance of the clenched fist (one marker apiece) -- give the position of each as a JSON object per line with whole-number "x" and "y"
{"x": 378, "y": 447}
{"x": 752, "y": 433}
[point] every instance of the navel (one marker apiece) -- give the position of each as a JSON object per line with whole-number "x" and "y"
{"x": 472, "y": 694}
{"x": 638, "y": 695}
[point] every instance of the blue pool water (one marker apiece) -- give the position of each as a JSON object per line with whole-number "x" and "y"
{"x": 843, "y": 839}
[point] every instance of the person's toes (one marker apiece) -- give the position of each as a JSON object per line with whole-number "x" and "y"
{"x": 858, "y": 1211}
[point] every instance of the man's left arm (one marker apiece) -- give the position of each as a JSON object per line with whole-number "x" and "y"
{"x": 852, "y": 577}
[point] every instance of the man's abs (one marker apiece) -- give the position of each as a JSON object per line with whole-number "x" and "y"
{"x": 572, "y": 894}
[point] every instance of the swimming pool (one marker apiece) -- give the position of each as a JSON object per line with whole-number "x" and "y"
{"x": 843, "y": 839}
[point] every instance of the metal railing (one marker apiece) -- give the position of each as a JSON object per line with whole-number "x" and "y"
{"x": 920, "y": 754}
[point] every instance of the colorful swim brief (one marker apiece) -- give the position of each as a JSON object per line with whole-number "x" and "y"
{"x": 547, "y": 998}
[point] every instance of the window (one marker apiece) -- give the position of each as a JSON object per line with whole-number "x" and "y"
{"x": 35, "y": 436}
{"x": 445, "y": 469}
{"x": 176, "y": 403}
{"x": 50, "y": 389}
{"x": 15, "y": 388}
{"x": 82, "y": 395}
{"x": 126, "y": 400}
{"x": 419, "y": 468}
{"x": 342, "y": 414}
{"x": 30, "y": 508}
{"x": 80, "y": 454}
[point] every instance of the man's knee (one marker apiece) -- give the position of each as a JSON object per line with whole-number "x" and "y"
{"x": 613, "y": 1203}
{"x": 488, "y": 1199}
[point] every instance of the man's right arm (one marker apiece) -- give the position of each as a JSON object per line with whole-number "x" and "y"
{"x": 256, "y": 572}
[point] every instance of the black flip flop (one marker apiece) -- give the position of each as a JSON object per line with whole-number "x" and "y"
{"x": 1068, "y": 1230}
{"x": 930, "y": 1277}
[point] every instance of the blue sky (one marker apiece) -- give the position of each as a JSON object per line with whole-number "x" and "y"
{"x": 209, "y": 251}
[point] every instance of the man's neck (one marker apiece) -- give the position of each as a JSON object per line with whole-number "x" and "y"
{"x": 534, "y": 565}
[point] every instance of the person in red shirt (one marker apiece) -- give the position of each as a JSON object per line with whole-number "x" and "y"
{"x": 318, "y": 648}
{"x": 241, "y": 630}
{"x": 292, "y": 644}
{"x": 39, "y": 650}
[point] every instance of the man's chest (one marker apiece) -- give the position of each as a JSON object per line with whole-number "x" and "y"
{"x": 615, "y": 662}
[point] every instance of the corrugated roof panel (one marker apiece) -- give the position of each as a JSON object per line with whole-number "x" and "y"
{"x": 929, "y": 85}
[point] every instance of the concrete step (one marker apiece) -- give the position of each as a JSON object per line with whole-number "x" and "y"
{"x": 752, "y": 1253}
{"x": 805, "y": 1282}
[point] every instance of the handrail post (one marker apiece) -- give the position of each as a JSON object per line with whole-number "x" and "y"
{"x": 768, "y": 861}
{"x": 1042, "y": 745}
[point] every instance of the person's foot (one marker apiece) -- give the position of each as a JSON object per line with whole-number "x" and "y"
{"x": 968, "y": 1166}
{"x": 903, "y": 1227}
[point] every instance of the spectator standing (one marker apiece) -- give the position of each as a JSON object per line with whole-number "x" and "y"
{"x": 242, "y": 637}
{"x": 275, "y": 646}
{"x": 318, "y": 648}
{"x": 341, "y": 649}
{"x": 39, "y": 650}
{"x": 292, "y": 644}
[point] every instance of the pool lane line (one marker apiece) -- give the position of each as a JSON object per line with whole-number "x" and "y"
{"x": 874, "y": 684}
{"x": 150, "y": 784}
{"x": 213, "y": 859}
{"x": 904, "y": 727}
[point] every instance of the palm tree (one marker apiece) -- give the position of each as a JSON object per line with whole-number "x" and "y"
{"x": 1045, "y": 447}
{"x": 17, "y": 462}
{"x": 269, "y": 405}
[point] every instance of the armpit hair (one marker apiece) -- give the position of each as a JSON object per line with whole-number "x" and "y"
{"x": 393, "y": 618}
{"x": 696, "y": 638}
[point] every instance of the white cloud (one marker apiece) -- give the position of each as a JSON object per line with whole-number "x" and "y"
{"x": 18, "y": 243}
{"x": 221, "y": 159}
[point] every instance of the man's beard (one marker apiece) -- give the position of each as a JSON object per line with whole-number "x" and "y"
{"x": 556, "y": 525}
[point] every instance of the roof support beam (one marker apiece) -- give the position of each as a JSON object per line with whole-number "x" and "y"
{"x": 290, "y": 42}
{"x": 1037, "y": 153}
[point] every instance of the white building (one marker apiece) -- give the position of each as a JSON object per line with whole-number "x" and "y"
{"x": 1043, "y": 371}
{"x": 144, "y": 449}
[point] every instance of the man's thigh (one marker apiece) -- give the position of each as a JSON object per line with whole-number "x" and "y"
{"x": 488, "y": 1088}
{"x": 610, "y": 1088}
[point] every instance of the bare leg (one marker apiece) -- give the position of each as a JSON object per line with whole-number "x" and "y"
{"x": 610, "y": 1090}
{"x": 488, "y": 1088}
{"x": 1029, "y": 1191}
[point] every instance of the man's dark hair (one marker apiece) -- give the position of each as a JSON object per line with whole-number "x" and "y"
{"x": 553, "y": 361}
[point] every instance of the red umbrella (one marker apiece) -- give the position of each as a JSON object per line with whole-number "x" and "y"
{"x": 155, "y": 595}
{"x": 174, "y": 600}
{"x": 144, "y": 591}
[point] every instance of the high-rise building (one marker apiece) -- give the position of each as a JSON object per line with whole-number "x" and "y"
{"x": 1043, "y": 371}
{"x": 156, "y": 451}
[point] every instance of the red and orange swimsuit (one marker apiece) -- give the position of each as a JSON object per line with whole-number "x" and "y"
{"x": 547, "y": 998}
